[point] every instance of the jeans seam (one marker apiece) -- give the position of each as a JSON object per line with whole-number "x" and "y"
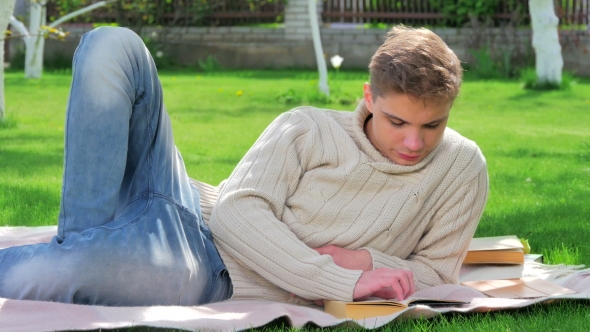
{"x": 143, "y": 194}
{"x": 136, "y": 218}
{"x": 177, "y": 204}
{"x": 149, "y": 152}
{"x": 66, "y": 140}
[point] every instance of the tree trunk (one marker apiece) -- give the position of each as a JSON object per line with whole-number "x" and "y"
{"x": 317, "y": 46}
{"x": 6, "y": 9}
{"x": 548, "y": 59}
{"x": 34, "y": 50}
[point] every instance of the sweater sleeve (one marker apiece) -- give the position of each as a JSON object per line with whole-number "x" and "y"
{"x": 246, "y": 221}
{"x": 439, "y": 253}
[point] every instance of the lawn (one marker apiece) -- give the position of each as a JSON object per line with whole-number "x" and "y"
{"x": 537, "y": 145}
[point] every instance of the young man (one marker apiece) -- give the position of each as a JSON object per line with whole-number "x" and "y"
{"x": 325, "y": 205}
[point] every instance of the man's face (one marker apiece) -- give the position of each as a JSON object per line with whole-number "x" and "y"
{"x": 404, "y": 128}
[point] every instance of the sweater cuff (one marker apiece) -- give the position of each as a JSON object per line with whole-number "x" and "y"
{"x": 340, "y": 283}
{"x": 381, "y": 260}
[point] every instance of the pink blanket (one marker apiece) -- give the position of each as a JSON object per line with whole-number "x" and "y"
{"x": 33, "y": 316}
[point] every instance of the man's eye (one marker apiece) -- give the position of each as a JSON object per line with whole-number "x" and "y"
{"x": 432, "y": 126}
{"x": 395, "y": 124}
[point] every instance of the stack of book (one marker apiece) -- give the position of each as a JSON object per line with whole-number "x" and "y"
{"x": 494, "y": 266}
{"x": 497, "y": 257}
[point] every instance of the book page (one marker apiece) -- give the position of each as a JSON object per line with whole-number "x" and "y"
{"x": 495, "y": 243}
{"x": 477, "y": 272}
{"x": 522, "y": 288}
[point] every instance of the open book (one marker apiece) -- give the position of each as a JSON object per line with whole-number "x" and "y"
{"x": 522, "y": 288}
{"x": 379, "y": 307}
{"x": 495, "y": 249}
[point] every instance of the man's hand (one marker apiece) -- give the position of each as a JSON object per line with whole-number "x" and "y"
{"x": 348, "y": 259}
{"x": 384, "y": 283}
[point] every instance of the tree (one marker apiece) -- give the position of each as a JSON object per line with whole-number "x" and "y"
{"x": 6, "y": 8}
{"x": 548, "y": 58}
{"x": 34, "y": 36}
{"x": 317, "y": 45}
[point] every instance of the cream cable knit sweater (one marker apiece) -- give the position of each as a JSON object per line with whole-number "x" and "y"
{"x": 313, "y": 179}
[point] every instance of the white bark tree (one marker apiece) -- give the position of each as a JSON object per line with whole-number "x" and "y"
{"x": 548, "y": 58}
{"x": 34, "y": 38}
{"x": 317, "y": 45}
{"x": 36, "y": 45}
{"x": 6, "y": 9}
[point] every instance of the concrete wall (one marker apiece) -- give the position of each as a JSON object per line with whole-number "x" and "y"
{"x": 291, "y": 46}
{"x": 244, "y": 47}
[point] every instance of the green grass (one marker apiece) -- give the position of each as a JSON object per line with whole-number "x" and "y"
{"x": 537, "y": 145}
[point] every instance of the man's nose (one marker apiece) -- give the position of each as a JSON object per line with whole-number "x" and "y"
{"x": 413, "y": 141}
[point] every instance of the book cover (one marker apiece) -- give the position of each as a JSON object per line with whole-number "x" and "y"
{"x": 380, "y": 307}
{"x": 495, "y": 250}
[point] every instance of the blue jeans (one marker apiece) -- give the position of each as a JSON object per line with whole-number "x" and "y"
{"x": 130, "y": 227}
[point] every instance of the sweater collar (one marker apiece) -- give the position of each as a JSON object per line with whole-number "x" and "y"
{"x": 378, "y": 160}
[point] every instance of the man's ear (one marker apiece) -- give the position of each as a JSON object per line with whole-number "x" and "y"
{"x": 368, "y": 96}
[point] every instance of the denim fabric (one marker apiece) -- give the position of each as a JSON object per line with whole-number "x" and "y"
{"x": 130, "y": 229}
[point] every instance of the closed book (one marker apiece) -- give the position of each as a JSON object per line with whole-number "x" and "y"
{"x": 379, "y": 307}
{"x": 495, "y": 250}
{"x": 475, "y": 272}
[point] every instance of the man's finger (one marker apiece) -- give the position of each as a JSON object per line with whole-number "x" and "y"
{"x": 391, "y": 284}
{"x": 412, "y": 284}
{"x": 385, "y": 293}
{"x": 404, "y": 283}
{"x": 397, "y": 288}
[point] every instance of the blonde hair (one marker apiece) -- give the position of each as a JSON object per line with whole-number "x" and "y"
{"x": 415, "y": 61}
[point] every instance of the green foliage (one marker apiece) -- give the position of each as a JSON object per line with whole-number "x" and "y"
{"x": 290, "y": 97}
{"x": 459, "y": 12}
{"x": 528, "y": 78}
{"x": 59, "y": 8}
{"x": 377, "y": 25}
{"x": 160, "y": 52}
{"x": 104, "y": 24}
{"x": 139, "y": 13}
{"x": 57, "y": 61}
{"x": 210, "y": 64}
{"x": 313, "y": 96}
{"x": 17, "y": 62}
{"x": 487, "y": 66}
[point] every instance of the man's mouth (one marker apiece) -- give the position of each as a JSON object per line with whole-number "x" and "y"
{"x": 408, "y": 157}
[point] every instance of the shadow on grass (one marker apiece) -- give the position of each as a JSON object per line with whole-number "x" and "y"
{"x": 26, "y": 163}
{"x": 535, "y": 94}
{"x": 523, "y": 153}
{"x": 199, "y": 116}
